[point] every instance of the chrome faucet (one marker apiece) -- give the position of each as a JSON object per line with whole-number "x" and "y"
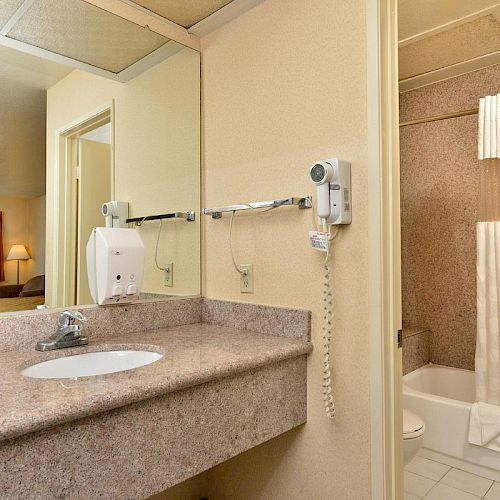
{"x": 68, "y": 333}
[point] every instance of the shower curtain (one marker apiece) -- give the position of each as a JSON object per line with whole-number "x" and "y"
{"x": 487, "y": 361}
{"x": 488, "y": 333}
{"x": 484, "y": 422}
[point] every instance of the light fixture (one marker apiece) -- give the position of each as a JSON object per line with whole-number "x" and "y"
{"x": 18, "y": 252}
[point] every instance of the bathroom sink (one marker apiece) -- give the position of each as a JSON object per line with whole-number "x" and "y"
{"x": 90, "y": 364}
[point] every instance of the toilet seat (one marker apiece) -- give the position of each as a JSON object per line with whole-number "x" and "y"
{"x": 413, "y": 425}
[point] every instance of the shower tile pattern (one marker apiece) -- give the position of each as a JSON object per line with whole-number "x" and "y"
{"x": 456, "y": 94}
{"x": 439, "y": 204}
{"x": 416, "y": 348}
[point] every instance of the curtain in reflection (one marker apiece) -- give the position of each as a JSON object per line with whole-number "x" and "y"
{"x": 2, "y": 272}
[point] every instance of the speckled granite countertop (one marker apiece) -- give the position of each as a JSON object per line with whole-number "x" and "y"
{"x": 193, "y": 354}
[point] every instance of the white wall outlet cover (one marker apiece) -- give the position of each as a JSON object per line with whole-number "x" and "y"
{"x": 246, "y": 278}
{"x": 169, "y": 274}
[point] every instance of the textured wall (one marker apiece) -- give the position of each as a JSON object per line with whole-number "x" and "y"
{"x": 439, "y": 197}
{"x": 455, "y": 94}
{"x": 283, "y": 86}
{"x": 416, "y": 348}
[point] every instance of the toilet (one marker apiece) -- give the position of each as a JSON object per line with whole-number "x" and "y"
{"x": 413, "y": 434}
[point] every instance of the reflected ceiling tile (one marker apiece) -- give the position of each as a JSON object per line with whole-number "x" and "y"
{"x": 183, "y": 12}
{"x": 7, "y": 10}
{"x": 83, "y": 32}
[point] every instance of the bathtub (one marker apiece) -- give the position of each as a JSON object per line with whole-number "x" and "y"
{"x": 442, "y": 397}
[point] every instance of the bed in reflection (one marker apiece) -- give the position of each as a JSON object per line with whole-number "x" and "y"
{"x": 23, "y": 297}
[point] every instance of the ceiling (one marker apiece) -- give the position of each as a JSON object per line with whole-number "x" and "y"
{"x": 439, "y": 39}
{"x": 101, "y": 134}
{"x": 118, "y": 39}
{"x": 185, "y": 13}
{"x": 80, "y": 31}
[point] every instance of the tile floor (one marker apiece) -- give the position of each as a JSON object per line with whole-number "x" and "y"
{"x": 432, "y": 480}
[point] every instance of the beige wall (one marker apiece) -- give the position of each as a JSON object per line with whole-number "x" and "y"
{"x": 285, "y": 85}
{"x": 36, "y": 235}
{"x": 22, "y": 133}
{"x": 157, "y": 152}
{"x": 194, "y": 488}
{"x": 24, "y": 223}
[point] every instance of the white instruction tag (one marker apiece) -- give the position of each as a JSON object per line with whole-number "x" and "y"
{"x": 318, "y": 240}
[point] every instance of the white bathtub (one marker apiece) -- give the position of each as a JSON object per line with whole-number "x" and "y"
{"x": 442, "y": 397}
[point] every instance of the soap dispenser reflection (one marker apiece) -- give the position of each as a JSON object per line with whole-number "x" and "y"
{"x": 115, "y": 265}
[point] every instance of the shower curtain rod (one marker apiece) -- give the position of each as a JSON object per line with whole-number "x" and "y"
{"x": 436, "y": 118}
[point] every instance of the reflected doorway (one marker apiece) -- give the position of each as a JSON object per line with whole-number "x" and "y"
{"x": 93, "y": 188}
{"x": 86, "y": 181}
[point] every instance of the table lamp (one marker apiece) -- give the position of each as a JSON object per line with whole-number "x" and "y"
{"x": 18, "y": 252}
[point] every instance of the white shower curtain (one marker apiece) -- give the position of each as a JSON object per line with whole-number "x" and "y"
{"x": 488, "y": 310}
{"x": 484, "y": 424}
{"x": 488, "y": 254}
{"x": 488, "y": 139}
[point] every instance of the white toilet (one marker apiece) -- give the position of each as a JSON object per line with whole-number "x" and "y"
{"x": 413, "y": 434}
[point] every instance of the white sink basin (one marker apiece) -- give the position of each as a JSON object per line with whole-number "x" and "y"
{"x": 91, "y": 364}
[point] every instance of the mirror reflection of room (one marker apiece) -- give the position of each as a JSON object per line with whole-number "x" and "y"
{"x": 22, "y": 186}
{"x": 77, "y": 112}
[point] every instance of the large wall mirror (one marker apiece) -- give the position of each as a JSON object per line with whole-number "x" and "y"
{"x": 94, "y": 108}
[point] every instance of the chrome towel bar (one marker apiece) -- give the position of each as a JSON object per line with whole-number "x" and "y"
{"x": 302, "y": 203}
{"x": 189, "y": 216}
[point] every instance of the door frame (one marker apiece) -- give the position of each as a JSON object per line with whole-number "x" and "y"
{"x": 384, "y": 250}
{"x": 60, "y": 281}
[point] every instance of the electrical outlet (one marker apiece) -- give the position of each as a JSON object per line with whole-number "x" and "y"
{"x": 246, "y": 278}
{"x": 169, "y": 274}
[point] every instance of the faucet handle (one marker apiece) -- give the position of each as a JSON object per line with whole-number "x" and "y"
{"x": 69, "y": 317}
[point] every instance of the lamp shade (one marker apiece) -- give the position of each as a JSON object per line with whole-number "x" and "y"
{"x": 18, "y": 252}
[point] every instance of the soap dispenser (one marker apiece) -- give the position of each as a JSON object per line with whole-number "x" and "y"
{"x": 115, "y": 265}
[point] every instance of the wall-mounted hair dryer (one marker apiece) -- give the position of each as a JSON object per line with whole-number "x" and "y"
{"x": 115, "y": 213}
{"x": 333, "y": 190}
{"x": 333, "y": 206}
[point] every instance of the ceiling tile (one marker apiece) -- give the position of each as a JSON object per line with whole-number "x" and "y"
{"x": 83, "y": 32}
{"x": 7, "y": 9}
{"x": 456, "y": 45}
{"x": 183, "y": 12}
{"x": 418, "y": 16}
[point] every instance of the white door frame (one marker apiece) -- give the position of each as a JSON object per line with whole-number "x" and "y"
{"x": 384, "y": 250}
{"x": 60, "y": 282}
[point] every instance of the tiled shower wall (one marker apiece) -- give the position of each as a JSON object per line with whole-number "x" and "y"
{"x": 439, "y": 205}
